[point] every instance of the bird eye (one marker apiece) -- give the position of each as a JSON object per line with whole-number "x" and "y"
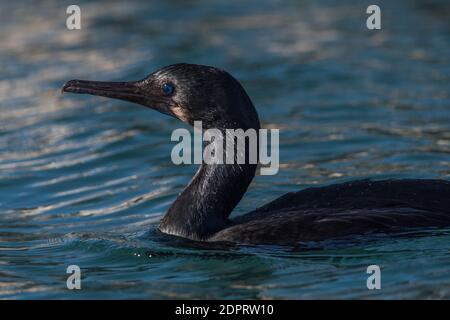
{"x": 167, "y": 89}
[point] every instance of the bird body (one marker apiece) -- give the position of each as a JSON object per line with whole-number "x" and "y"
{"x": 351, "y": 208}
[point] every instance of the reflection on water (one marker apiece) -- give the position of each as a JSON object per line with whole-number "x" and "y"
{"x": 84, "y": 179}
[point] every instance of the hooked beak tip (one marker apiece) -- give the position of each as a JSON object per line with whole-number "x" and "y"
{"x": 68, "y": 86}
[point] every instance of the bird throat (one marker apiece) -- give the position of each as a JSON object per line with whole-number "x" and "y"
{"x": 203, "y": 207}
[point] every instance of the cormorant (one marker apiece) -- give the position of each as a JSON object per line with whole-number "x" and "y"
{"x": 194, "y": 92}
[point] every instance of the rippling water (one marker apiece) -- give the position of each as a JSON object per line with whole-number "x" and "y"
{"x": 84, "y": 180}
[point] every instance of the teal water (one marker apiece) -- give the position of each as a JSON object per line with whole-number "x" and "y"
{"x": 84, "y": 180}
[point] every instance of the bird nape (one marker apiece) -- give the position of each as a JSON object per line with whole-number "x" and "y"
{"x": 201, "y": 212}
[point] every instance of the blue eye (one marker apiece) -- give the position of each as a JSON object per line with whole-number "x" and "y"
{"x": 167, "y": 88}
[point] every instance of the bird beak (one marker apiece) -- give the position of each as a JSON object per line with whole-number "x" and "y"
{"x": 127, "y": 91}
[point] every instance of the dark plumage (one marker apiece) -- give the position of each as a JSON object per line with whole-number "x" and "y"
{"x": 194, "y": 92}
{"x": 357, "y": 207}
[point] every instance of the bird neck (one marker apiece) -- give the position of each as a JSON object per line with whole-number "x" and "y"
{"x": 203, "y": 207}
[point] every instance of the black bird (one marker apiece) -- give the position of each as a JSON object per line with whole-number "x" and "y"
{"x": 194, "y": 92}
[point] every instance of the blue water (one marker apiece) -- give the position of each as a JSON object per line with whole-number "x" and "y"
{"x": 84, "y": 180}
